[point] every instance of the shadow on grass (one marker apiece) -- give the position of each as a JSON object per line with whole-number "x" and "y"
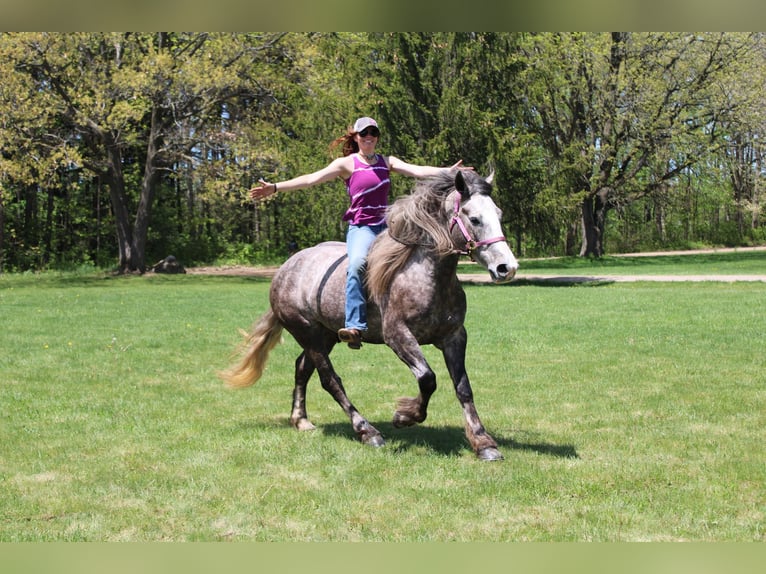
{"x": 554, "y": 281}
{"x": 442, "y": 440}
{"x": 563, "y": 281}
{"x": 445, "y": 440}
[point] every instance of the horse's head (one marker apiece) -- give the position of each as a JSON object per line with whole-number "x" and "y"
{"x": 476, "y": 228}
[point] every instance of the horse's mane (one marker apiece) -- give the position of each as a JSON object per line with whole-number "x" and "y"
{"x": 414, "y": 221}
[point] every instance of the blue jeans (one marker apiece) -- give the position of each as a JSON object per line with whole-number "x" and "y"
{"x": 359, "y": 239}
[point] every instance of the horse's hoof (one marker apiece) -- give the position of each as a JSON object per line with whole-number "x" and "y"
{"x": 374, "y": 440}
{"x": 304, "y": 425}
{"x": 400, "y": 421}
{"x": 489, "y": 453}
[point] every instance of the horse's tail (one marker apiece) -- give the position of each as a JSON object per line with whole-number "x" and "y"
{"x": 263, "y": 337}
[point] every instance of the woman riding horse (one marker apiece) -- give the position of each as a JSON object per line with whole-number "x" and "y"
{"x": 415, "y": 299}
{"x": 366, "y": 175}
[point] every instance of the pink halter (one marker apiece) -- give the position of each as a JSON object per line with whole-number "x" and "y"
{"x": 470, "y": 243}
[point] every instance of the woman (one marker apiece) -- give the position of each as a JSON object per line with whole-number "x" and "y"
{"x": 366, "y": 174}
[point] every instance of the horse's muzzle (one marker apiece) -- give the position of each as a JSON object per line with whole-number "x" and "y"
{"x": 503, "y": 273}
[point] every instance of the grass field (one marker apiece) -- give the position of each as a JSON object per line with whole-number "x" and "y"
{"x": 719, "y": 263}
{"x": 626, "y": 412}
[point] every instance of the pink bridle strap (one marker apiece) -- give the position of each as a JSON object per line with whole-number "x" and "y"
{"x": 470, "y": 243}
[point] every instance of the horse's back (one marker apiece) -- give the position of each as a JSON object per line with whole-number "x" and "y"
{"x": 314, "y": 258}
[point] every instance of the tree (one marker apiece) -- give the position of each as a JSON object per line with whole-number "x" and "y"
{"x": 129, "y": 105}
{"x": 743, "y": 131}
{"x": 158, "y": 136}
{"x": 606, "y": 106}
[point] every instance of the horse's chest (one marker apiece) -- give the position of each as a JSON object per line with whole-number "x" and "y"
{"x": 427, "y": 303}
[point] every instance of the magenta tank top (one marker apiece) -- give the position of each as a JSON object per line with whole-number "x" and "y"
{"x": 368, "y": 189}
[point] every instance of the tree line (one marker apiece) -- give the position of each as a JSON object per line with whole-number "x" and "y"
{"x": 117, "y": 149}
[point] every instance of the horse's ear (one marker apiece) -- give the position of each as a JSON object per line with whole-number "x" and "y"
{"x": 491, "y": 177}
{"x": 462, "y": 186}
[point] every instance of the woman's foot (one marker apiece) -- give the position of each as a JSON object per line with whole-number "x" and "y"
{"x": 351, "y": 336}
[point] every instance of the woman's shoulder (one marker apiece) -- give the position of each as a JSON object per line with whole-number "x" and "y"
{"x": 389, "y": 160}
{"x": 344, "y": 165}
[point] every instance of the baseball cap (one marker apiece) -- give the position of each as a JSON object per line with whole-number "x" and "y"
{"x": 362, "y": 123}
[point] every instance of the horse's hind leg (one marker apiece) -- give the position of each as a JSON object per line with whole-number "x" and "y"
{"x": 331, "y": 382}
{"x": 304, "y": 368}
{"x": 316, "y": 356}
{"x": 482, "y": 443}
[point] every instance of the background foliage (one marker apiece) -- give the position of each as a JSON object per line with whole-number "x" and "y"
{"x": 117, "y": 149}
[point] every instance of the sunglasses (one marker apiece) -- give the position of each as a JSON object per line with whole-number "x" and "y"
{"x": 374, "y": 132}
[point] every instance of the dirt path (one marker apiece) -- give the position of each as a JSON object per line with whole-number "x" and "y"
{"x": 694, "y": 251}
{"x": 234, "y": 271}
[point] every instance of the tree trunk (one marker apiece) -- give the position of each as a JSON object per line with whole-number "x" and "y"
{"x": 115, "y": 180}
{"x": 659, "y": 216}
{"x": 131, "y": 241}
{"x": 2, "y": 232}
{"x": 47, "y": 251}
{"x": 30, "y": 216}
{"x": 756, "y": 209}
{"x": 571, "y": 239}
{"x": 148, "y": 185}
{"x": 593, "y": 222}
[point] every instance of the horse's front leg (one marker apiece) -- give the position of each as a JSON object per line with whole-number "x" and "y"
{"x": 482, "y": 443}
{"x": 412, "y": 410}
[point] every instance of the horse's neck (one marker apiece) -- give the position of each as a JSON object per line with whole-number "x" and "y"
{"x": 443, "y": 270}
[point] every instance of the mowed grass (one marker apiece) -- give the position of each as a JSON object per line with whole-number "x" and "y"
{"x": 625, "y": 412}
{"x": 741, "y": 262}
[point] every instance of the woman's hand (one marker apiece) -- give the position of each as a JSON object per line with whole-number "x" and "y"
{"x": 459, "y": 165}
{"x": 263, "y": 190}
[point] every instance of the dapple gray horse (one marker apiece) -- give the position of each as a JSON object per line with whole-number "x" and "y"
{"x": 414, "y": 299}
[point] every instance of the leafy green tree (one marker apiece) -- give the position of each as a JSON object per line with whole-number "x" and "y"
{"x": 744, "y": 133}
{"x": 132, "y": 104}
{"x": 623, "y": 114}
{"x": 157, "y": 136}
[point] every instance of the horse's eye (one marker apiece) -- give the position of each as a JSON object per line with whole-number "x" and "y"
{"x": 475, "y": 221}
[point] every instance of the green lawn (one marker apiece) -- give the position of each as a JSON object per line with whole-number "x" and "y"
{"x": 723, "y": 263}
{"x": 625, "y": 412}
